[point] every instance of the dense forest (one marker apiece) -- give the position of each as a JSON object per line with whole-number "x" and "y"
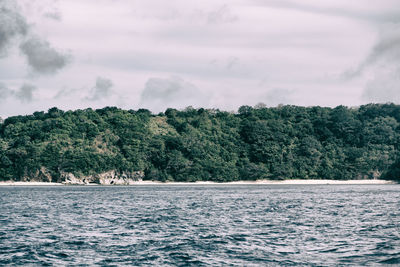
{"x": 283, "y": 142}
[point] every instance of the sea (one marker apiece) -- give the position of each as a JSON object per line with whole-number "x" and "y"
{"x": 200, "y": 225}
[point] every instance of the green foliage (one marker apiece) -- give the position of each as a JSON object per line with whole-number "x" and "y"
{"x": 206, "y": 144}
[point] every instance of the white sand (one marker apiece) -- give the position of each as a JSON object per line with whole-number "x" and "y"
{"x": 12, "y": 183}
{"x": 266, "y": 182}
{"x": 272, "y": 182}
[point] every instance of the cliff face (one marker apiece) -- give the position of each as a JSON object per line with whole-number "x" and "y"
{"x": 107, "y": 178}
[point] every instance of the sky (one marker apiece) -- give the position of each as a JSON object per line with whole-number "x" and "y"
{"x": 156, "y": 54}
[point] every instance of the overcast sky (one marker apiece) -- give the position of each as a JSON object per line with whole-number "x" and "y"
{"x": 217, "y": 54}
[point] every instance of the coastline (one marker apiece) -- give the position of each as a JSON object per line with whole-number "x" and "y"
{"x": 13, "y": 183}
{"x": 274, "y": 182}
{"x": 258, "y": 182}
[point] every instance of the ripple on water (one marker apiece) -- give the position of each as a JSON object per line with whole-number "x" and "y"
{"x": 200, "y": 225}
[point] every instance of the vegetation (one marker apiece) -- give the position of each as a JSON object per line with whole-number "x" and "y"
{"x": 198, "y": 144}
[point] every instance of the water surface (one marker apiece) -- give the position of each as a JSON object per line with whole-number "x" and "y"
{"x": 247, "y": 225}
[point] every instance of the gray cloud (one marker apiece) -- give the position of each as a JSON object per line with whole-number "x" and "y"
{"x": 101, "y": 90}
{"x": 221, "y": 15}
{"x": 25, "y": 93}
{"x": 295, "y": 41}
{"x": 384, "y": 87}
{"x": 232, "y": 61}
{"x": 278, "y": 96}
{"x": 160, "y": 94}
{"x": 43, "y": 58}
{"x": 387, "y": 49}
{"x": 215, "y": 15}
{"x": 371, "y": 15}
{"x": 65, "y": 92}
{"x": 4, "y": 92}
{"x": 54, "y": 15}
{"x": 382, "y": 65}
{"x": 12, "y": 24}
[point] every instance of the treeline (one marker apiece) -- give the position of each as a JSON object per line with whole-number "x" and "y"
{"x": 206, "y": 144}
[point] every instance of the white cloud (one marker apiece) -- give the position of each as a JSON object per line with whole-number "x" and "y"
{"x": 222, "y": 50}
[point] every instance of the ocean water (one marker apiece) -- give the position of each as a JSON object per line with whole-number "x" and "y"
{"x": 223, "y": 225}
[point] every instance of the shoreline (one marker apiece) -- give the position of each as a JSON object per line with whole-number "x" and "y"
{"x": 258, "y": 182}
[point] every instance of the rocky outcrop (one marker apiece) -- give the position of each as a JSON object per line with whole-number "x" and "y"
{"x": 107, "y": 178}
{"x": 69, "y": 178}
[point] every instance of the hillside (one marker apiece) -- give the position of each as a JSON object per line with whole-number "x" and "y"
{"x": 209, "y": 145}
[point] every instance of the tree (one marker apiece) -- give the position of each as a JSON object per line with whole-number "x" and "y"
{"x": 206, "y": 144}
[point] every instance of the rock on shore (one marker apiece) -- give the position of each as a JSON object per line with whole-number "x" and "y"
{"x": 106, "y": 178}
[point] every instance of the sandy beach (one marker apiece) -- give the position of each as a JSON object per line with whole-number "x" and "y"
{"x": 273, "y": 182}
{"x": 12, "y": 183}
{"x": 261, "y": 182}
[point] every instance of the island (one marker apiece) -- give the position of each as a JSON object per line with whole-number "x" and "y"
{"x": 116, "y": 146}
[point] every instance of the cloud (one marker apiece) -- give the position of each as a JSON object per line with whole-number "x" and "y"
{"x": 43, "y": 58}
{"x": 198, "y": 13}
{"x": 54, "y": 15}
{"x": 25, "y": 93}
{"x": 12, "y": 24}
{"x": 385, "y": 51}
{"x": 382, "y": 67}
{"x": 221, "y": 15}
{"x": 278, "y": 96}
{"x": 65, "y": 92}
{"x": 232, "y": 61}
{"x": 4, "y": 92}
{"x": 174, "y": 92}
{"x": 14, "y": 30}
{"x": 384, "y": 86}
{"x": 101, "y": 90}
{"x": 385, "y": 11}
{"x": 293, "y": 43}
